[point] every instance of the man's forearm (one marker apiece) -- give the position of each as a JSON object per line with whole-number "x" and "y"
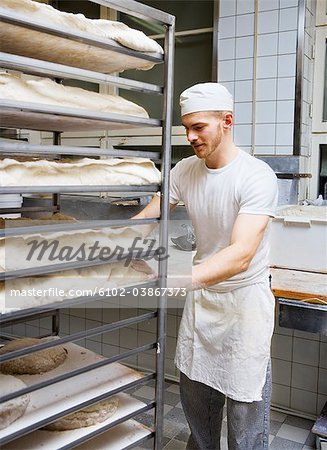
{"x": 220, "y": 267}
{"x": 225, "y": 264}
{"x": 247, "y": 234}
{"x": 151, "y": 211}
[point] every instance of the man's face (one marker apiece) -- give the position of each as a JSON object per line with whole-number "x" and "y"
{"x": 204, "y": 132}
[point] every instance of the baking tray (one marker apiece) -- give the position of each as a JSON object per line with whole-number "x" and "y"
{"x": 42, "y": 117}
{"x": 45, "y": 68}
{"x": 70, "y": 47}
{"x": 120, "y": 436}
{"x": 46, "y": 403}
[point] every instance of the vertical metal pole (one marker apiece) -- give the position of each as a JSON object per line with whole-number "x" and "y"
{"x": 56, "y": 140}
{"x": 214, "y": 73}
{"x": 163, "y": 236}
{"x": 298, "y": 80}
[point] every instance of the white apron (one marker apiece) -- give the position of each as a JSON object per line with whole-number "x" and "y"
{"x": 224, "y": 339}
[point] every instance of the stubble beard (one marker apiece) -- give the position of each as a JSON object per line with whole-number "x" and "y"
{"x": 208, "y": 149}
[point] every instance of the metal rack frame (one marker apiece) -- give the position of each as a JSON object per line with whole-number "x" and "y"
{"x": 60, "y": 119}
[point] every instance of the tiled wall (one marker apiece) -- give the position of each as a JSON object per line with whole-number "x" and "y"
{"x": 299, "y": 362}
{"x": 259, "y": 69}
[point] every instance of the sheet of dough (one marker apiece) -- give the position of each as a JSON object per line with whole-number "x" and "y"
{"x": 46, "y": 91}
{"x": 104, "y": 29}
{"x": 65, "y": 285}
{"x": 111, "y": 238}
{"x": 86, "y": 171}
{"x": 117, "y": 31}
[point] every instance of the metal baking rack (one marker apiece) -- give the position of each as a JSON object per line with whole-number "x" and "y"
{"x": 54, "y": 268}
{"x": 76, "y": 189}
{"x": 34, "y": 66}
{"x": 72, "y": 376}
{"x": 34, "y": 116}
{"x": 34, "y": 312}
{"x": 80, "y": 225}
{"x": 51, "y": 150}
{"x": 59, "y": 119}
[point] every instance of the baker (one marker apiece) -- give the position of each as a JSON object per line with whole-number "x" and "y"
{"x": 223, "y": 349}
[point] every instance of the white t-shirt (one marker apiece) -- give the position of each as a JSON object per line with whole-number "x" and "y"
{"x": 225, "y": 332}
{"x": 215, "y": 197}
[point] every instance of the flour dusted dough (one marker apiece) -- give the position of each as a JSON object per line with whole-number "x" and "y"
{"x": 71, "y": 51}
{"x": 126, "y": 36}
{"x": 34, "y": 363}
{"x": 65, "y": 285}
{"x": 86, "y": 417}
{"x": 85, "y": 171}
{"x": 46, "y": 91}
{"x": 110, "y": 237}
{"x": 117, "y": 31}
{"x": 21, "y": 293}
{"x": 15, "y": 408}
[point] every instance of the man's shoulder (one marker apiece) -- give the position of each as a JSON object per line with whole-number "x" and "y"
{"x": 188, "y": 162}
{"x": 254, "y": 164}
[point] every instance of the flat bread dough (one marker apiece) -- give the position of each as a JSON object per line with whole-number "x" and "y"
{"x": 86, "y": 417}
{"x": 22, "y": 293}
{"x": 76, "y": 53}
{"x": 28, "y": 292}
{"x": 15, "y": 408}
{"x": 117, "y": 31}
{"x": 46, "y": 91}
{"x": 41, "y": 249}
{"x": 48, "y": 245}
{"x": 85, "y": 171}
{"x": 34, "y": 363}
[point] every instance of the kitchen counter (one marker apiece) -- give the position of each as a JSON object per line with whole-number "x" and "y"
{"x": 299, "y": 285}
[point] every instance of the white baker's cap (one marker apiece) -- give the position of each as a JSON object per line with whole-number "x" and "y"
{"x": 205, "y": 97}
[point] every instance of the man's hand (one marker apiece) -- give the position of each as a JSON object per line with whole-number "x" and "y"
{"x": 142, "y": 266}
{"x": 173, "y": 282}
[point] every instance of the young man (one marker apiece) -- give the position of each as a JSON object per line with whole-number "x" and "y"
{"x": 223, "y": 348}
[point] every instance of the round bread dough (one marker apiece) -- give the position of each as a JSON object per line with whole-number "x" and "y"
{"x": 15, "y": 408}
{"x": 91, "y": 415}
{"x": 34, "y": 363}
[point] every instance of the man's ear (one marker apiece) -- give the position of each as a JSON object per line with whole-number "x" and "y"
{"x": 228, "y": 120}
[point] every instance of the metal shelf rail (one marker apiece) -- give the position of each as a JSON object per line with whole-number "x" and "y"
{"x": 75, "y": 188}
{"x": 35, "y": 116}
{"x": 82, "y": 225}
{"x": 37, "y": 67}
{"x": 51, "y": 150}
{"x": 57, "y": 119}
